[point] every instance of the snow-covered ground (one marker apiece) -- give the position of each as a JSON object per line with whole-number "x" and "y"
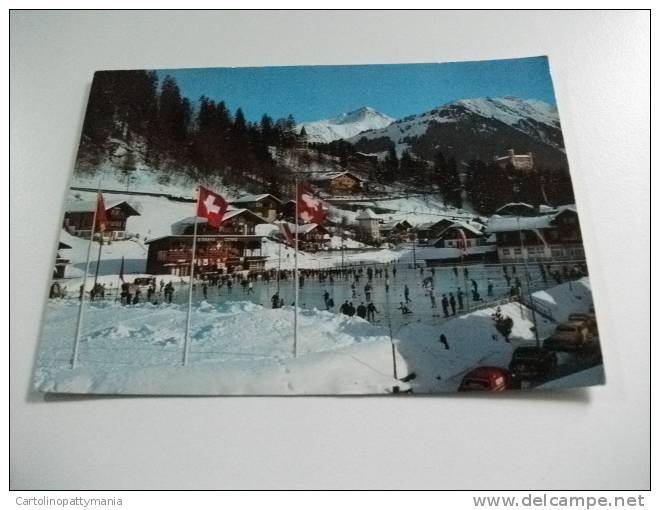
{"x": 240, "y": 347}
{"x": 236, "y": 348}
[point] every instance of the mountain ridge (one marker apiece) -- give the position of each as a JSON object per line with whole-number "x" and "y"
{"x": 345, "y": 125}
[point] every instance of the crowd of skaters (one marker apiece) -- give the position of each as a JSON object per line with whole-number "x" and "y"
{"x": 364, "y": 279}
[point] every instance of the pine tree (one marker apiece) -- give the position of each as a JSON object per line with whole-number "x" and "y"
{"x": 391, "y": 165}
{"x": 503, "y": 323}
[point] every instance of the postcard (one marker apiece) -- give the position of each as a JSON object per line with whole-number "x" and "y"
{"x": 320, "y": 230}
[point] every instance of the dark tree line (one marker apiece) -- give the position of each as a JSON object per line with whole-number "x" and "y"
{"x": 490, "y": 186}
{"x": 131, "y": 117}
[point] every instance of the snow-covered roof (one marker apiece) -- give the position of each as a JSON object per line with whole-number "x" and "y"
{"x": 516, "y": 156}
{"x": 458, "y": 225}
{"x": 329, "y": 176}
{"x": 464, "y": 226}
{"x": 303, "y": 229}
{"x": 366, "y": 214}
{"x": 515, "y": 223}
{"x": 254, "y": 198}
{"x": 430, "y": 224}
{"x": 90, "y": 205}
{"x": 179, "y": 227}
{"x": 511, "y": 205}
{"x": 389, "y": 225}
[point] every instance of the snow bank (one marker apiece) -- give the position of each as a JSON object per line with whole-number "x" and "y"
{"x": 236, "y": 348}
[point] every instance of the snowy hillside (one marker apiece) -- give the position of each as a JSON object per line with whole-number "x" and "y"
{"x": 470, "y": 127}
{"x": 512, "y": 110}
{"x": 345, "y": 125}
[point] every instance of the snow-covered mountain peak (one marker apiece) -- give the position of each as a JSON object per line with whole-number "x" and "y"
{"x": 346, "y": 125}
{"x": 511, "y": 110}
{"x": 534, "y": 118}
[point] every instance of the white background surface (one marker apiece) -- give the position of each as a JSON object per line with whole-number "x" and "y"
{"x": 595, "y": 438}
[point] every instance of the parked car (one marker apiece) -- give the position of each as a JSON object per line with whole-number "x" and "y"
{"x": 486, "y": 379}
{"x": 144, "y": 281}
{"x": 588, "y": 318}
{"x": 569, "y": 336}
{"x": 531, "y": 362}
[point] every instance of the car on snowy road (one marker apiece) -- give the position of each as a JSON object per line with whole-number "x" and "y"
{"x": 486, "y": 379}
{"x": 531, "y": 362}
{"x": 569, "y": 336}
{"x": 588, "y": 319}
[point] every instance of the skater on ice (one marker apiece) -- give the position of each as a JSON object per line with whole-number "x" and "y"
{"x": 371, "y": 311}
{"x": 445, "y": 305}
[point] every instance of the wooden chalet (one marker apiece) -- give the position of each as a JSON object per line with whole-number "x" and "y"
{"x": 337, "y": 183}
{"x": 395, "y": 231}
{"x": 432, "y": 229}
{"x": 461, "y": 235}
{"x": 266, "y": 205}
{"x": 554, "y": 236}
{"x": 311, "y": 237}
{"x": 234, "y": 246}
{"x": 79, "y": 216}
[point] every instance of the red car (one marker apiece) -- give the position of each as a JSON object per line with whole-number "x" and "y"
{"x": 486, "y": 379}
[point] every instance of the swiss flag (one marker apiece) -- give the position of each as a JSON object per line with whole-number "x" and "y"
{"x": 211, "y": 206}
{"x": 101, "y": 216}
{"x": 310, "y": 208}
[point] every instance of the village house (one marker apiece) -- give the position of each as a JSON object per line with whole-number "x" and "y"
{"x": 538, "y": 238}
{"x": 461, "y": 235}
{"x": 311, "y": 237}
{"x": 368, "y": 224}
{"x": 431, "y": 229}
{"x": 79, "y": 216}
{"x": 395, "y": 231}
{"x": 235, "y": 246}
{"x": 266, "y": 205}
{"x": 337, "y": 183}
{"x": 520, "y": 162}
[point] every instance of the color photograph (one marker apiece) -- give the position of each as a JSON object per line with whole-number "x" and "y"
{"x": 320, "y": 230}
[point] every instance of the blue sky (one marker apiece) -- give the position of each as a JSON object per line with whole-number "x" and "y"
{"x": 320, "y": 92}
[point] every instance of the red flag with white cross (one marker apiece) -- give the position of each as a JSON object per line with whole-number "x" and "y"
{"x": 211, "y": 206}
{"x": 101, "y": 215}
{"x": 310, "y": 208}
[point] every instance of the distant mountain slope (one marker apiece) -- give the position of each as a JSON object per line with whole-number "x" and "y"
{"x": 475, "y": 128}
{"x": 345, "y": 125}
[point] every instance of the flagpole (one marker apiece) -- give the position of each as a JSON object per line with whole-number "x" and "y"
{"x": 98, "y": 261}
{"x": 190, "y": 288}
{"x": 120, "y": 279}
{"x": 295, "y": 299}
{"x": 279, "y": 268}
{"x": 76, "y": 343}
